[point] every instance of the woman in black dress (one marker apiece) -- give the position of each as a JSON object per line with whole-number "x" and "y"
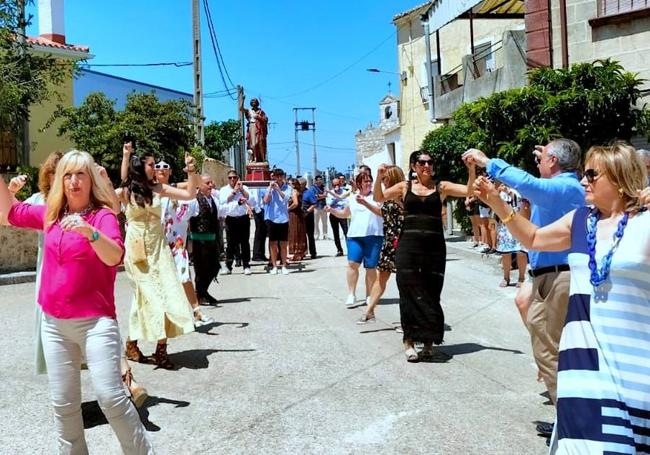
{"x": 421, "y": 255}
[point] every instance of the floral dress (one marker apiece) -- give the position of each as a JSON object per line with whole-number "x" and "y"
{"x": 506, "y": 243}
{"x": 175, "y": 220}
{"x": 393, "y": 220}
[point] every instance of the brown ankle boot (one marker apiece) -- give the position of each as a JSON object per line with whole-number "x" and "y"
{"x": 161, "y": 358}
{"x": 133, "y": 353}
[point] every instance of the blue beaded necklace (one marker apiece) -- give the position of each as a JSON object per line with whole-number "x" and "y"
{"x": 598, "y": 277}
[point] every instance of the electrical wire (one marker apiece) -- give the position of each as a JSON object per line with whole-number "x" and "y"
{"x": 223, "y": 71}
{"x": 344, "y": 70}
{"x": 176, "y": 64}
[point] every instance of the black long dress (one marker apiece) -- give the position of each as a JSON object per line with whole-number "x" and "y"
{"x": 420, "y": 261}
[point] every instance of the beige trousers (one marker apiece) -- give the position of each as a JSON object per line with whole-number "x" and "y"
{"x": 546, "y": 317}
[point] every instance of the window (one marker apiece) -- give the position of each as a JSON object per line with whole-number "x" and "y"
{"x": 611, "y": 7}
{"x": 483, "y": 58}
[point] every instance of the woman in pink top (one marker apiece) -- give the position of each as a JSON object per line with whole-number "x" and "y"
{"x": 82, "y": 248}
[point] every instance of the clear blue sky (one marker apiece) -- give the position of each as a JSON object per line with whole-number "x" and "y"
{"x": 274, "y": 49}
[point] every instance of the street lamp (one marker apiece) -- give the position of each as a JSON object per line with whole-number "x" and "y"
{"x": 401, "y": 75}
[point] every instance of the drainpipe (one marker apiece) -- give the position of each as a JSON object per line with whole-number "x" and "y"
{"x": 427, "y": 42}
{"x": 563, "y": 35}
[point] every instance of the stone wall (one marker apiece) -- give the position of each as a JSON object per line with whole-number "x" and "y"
{"x": 18, "y": 249}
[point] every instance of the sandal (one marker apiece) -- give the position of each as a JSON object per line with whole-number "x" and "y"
{"x": 504, "y": 283}
{"x": 138, "y": 394}
{"x": 366, "y": 318}
{"x": 161, "y": 358}
{"x": 133, "y": 352}
{"x": 519, "y": 284}
{"x": 411, "y": 355}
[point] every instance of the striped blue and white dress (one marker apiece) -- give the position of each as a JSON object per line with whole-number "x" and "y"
{"x": 603, "y": 385}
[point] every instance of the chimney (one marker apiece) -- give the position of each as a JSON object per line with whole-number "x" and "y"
{"x": 50, "y": 20}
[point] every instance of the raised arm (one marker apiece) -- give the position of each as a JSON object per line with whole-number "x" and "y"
{"x": 127, "y": 149}
{"x": 6, "y": 201}
{"x": 553, "y": 237}
{"x": 193, "y": 182}
{"x": 395, "y": 192}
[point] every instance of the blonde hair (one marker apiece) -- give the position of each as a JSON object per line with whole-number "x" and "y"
{"x": 46, "y": 171}
{"x": 395, "y": 175}
{"x": 75, "y": 160}
{"x": 623, "y": 167}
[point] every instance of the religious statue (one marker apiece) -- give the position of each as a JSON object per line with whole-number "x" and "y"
{"x": 256, "y": 131}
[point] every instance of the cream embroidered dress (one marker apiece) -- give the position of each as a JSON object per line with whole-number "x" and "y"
{"x": 160, "y": 308}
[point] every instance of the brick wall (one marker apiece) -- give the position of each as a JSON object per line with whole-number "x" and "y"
{"x": 538, "y": 34}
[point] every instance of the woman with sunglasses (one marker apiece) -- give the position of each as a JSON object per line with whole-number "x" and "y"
{"x": 603, "y": 386}
{"x": 160, "y": 308}
{"x": 421, "y": 255}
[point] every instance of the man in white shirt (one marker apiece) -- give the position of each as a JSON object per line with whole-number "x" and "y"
{"x": 235, "y": 197}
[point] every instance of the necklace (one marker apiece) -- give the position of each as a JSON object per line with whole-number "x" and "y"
{"x": 599, "y": 276}
{"x": 82, "y": 213}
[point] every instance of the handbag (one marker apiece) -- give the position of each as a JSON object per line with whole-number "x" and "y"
{"x": 138, "y": 251}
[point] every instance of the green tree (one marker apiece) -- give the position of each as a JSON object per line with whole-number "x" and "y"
{"x": 220, "y": 137}
{"x": 26, "y": 77}
{"x": 163, "y": 128}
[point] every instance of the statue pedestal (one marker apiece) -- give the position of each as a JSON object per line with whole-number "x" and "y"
{"x": 256, "y": 172}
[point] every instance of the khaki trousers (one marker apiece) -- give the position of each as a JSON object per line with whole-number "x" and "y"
{"x": 546, "y": 317}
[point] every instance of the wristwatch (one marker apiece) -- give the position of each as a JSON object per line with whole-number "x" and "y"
{"x": 95, "y": 236}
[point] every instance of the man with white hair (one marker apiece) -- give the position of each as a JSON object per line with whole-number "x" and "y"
{"x": 556, "y": 193}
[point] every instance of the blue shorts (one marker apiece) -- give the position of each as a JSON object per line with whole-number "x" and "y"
{"x": 365, "y": 249}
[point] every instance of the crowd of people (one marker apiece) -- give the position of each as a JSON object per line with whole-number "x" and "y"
{"x": 581, "y": 233}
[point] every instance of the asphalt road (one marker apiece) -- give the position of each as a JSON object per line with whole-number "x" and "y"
{"x": 286, "y": 370}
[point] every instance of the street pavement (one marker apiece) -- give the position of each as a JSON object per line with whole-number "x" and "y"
{"x": 285, "y": 369}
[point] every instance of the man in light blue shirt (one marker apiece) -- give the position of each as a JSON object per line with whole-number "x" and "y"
{"x": 276, "y": 213}
{"x": 555, "y": 193}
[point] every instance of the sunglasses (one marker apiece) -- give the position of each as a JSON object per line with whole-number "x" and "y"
{"x": 161, "y": 166}
{"x": 232, "y": 177}
{"x": 425, "y": 162}
{"x": 591, "y": 175}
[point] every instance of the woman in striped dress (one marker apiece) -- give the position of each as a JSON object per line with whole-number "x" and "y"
{"x": 603, "y": 385}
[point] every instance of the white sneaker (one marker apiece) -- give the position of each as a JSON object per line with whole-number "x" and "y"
{"x": 285, "y": 271}
{"x": 273, "y": 271}
{"x": 225, "y": 271}
{"x": 247, "y": 271}
{"x": 351, "y": 300}
{"x": 368, "y": 300}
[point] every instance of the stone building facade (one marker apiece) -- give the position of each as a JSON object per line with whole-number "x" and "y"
{"x": 599, "y": 29}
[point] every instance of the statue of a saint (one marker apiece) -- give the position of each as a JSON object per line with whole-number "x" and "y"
{"x": 257, "y": 130}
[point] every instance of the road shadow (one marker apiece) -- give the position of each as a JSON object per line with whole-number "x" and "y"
{"x": 197, "y": 359}
{"x": 394, "y": 301}
{"x": 205, "y": 328}
{"x": 93, "y": 416}
{"x": 398, "y": 324}
{"x": 470, "y": 348}
{"x": 235, "y": 300}
{"x": 385, "y": 329}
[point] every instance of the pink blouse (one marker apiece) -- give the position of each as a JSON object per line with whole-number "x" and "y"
{"x": 75, "y": 283}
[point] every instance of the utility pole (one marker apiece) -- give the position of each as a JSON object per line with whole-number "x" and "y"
{"x": 240, "y": 155}
{"x": 305, "y": 125}
{"x": 198, "y": 82}
{"x": 22, "y": 33}
{"x": 295, "y": 137}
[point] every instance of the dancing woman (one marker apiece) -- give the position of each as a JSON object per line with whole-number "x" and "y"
{"x": 603, "y": 385}
{"x": 393, "y": 216}
{"x": 160, "y": 308}
{"x": 297, "y": 229}
{"x": 421, "y": 256}
{"x": 82, "y": 247}
{"x": 365, "y": 236}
